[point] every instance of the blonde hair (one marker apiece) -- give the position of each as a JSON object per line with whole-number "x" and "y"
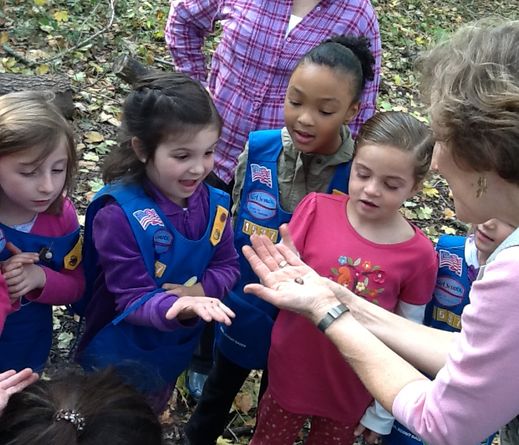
{"x": 29, "y": 119}
{"x": 471, "y": 82}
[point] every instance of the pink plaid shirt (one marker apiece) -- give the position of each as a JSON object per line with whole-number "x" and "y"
{"x": 254, "y": 59}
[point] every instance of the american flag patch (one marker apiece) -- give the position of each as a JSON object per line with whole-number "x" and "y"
{"x": 148, "y": 217}
{"x": 452, "y": 261}
{"x": 261, "y": 174}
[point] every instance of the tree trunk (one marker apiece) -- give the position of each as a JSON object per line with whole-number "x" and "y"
{"x": 58, "y": 84}
{"x": 129, "y": 69}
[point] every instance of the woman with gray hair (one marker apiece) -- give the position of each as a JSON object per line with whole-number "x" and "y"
{"x": 472, "y": 84}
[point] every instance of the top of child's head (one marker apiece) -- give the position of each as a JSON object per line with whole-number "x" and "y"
{"x": 401, "y": 131}
{"x": 161, "y": 107}
{"x": 94, "y": 409}
{"x": 32, "y": 129}
{"x": 348, "y": 54}
{"x": 324, "y": 92}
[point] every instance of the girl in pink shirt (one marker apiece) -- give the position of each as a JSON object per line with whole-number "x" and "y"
{"x": 40, "y": 245}
{"x": 471, "y": 82}
{"x": 362, "y": 242}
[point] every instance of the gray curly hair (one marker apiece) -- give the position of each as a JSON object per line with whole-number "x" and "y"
{"x": 471, "y": 82}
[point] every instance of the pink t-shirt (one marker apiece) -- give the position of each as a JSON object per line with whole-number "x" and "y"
{"x": 64, "y": 286}
{"x": 477, "y": 391}
{"x": 307, "y": 375}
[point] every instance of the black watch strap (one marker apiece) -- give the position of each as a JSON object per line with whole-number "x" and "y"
{"x": 333, "y": 314}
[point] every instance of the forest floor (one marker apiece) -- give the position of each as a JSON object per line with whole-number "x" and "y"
{"x": 81, "y": 40}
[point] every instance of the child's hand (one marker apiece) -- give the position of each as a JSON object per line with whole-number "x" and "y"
{"x": 370, "y": 437}
{"x": 207, "y": 308}
{"x": 12, "y": 382}
{"x": 21, "y": 278}
{"x": 184, "y": 291}
{"x": 21, "y": 274}
{"x": 19, "y": 257}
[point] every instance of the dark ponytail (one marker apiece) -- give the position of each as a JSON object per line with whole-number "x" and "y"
{"x": 347, "y": 53}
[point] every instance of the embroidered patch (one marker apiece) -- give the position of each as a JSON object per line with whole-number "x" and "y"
{"x": 191, "y": 282}
{"x": 3, "y": 241}
{"x": 452, "y": 261}
{"x": 250, "y": 228}
{"x": 360, "y": 276}
{"x": 261, "y": 205}
{"x": 162, "y": 241}
{"x": 219, "y": 224}
{"x": 448, "y": 291}
{"x": 73, "y": 259}
{"x": 262, "y": 174}
{"x": 160, "y": 268}
{"x": 447, "y": 317}
{"x": 148, "y": 217}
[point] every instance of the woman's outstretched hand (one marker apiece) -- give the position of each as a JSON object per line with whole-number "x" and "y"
{"x": 286, "y": 281}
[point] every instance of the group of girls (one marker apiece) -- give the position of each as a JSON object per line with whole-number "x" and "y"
{"x": 160, "y": 254}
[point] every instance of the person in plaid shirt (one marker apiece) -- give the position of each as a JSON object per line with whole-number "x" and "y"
{"x": 260, "y": 45}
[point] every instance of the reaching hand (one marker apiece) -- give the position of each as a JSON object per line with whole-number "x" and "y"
{"x": 21, "y": 273}
{"x": 207, "y": 308}
{"x": 12, "y": 382}
{"x": 287, "y": 282}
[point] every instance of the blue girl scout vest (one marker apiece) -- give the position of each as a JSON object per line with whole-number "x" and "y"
{"x": 246, "y": 341}
{"x": 450, "y": 296}
{"x": 27, "y": 336}
{"x": 148, "y": 358}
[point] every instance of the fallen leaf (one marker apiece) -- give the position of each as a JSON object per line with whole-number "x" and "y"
{"x": 42, "y": 69}
{"x": 449, "y": 214}
{"x": 94, "y": 137}
{"x": 448, "y": 230}
{"x": 243, "y": 402}
{"x": 61, "y": 16}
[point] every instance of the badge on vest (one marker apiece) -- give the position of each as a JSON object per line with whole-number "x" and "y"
{"x": 148, "y": 217}
{"x": 261, "y": 205}
{"x": 162, "y": 241}
{"x": 251, "y": 228}
{"x": 219, "y": 224}
{"x": 160, "y": 268}
{"x": 262, "y": 174}
{"x": 452, "y": 261}
{"x": 73, "y": 259}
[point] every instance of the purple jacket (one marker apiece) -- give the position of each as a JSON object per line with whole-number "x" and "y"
{"x": 123, "y": 278}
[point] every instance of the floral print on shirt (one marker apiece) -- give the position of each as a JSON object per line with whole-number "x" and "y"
{"x": 360, "y": 276}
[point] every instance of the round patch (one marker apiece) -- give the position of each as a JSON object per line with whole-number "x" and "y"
{"x": 162, "y": 241}
{"x": 449, "y": 292}
{"x": 261, "y": 205}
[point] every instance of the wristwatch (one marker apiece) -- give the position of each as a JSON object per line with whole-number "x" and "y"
{"x": 333, "y": 314}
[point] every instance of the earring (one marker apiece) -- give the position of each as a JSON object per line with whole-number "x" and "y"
{"x": 482, "y": 186}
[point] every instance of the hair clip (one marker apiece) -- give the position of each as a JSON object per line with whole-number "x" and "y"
{"x": 71, "y": 416}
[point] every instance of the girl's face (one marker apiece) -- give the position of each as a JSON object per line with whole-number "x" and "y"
{"x": 318, "y": 102}
{"x": 382, "y": 178}
{"x": 180, "y": 164}
{"x": 29, "y": 186}
{"x": 490, "y": 234}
